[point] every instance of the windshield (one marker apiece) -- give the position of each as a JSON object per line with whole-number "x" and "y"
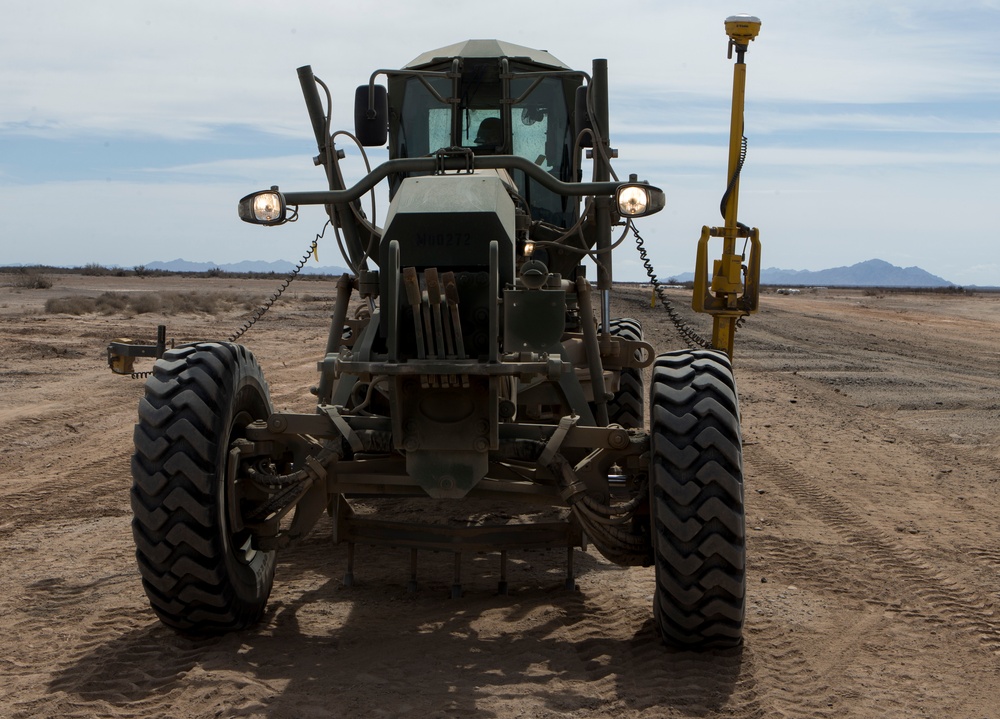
{"x": 540, "y": 131}
{"x": 538, "y": 127}
{"x": 425, "y": 122}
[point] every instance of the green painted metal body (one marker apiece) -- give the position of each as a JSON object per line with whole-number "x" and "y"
{"x": 476, "y": 368}
{"x": 448, "y": 222}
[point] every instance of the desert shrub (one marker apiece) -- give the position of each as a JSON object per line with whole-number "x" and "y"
{"x": 188, "y": 302}
{"x": 206, "y": 302}
{"x": 95, "y": 270}
{"x": 70, "y": 305}
{"x": 111, "y": 302}
{"x": 145, "y": 303}
{"x": 31, "y": 279}
{"x": 167, "y": 303}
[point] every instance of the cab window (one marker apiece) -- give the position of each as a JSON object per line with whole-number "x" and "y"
{"x": 541, "y": 133}
{"x": 425, "y": 122}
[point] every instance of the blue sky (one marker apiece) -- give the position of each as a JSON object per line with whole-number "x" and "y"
{"x": 129, "y": 129}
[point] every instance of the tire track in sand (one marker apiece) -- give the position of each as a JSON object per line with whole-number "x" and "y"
{"x": 91, "y": 489}
{"x": 117, "y": 662}
{"x": 943, "y": 600}
{"x": 637, "y": 673}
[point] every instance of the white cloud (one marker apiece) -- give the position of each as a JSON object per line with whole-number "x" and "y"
{"x": 817, "y": 158}
{"x": 246, "y": 169}
{"x": 125, "y": 224}
{"x": 172, "y": 69}
{"x": 822, "y": 80}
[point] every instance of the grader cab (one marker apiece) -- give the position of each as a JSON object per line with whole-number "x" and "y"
{"x": 469, "y": 357}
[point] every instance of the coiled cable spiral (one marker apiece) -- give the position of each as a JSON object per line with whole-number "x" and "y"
{"x": 682, "y": 327}
{"x": 735, "y": 178}
{"x": 259, "y": 312}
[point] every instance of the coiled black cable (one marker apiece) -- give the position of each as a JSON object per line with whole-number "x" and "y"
{"x": 734, "y": 179}
{"x": 685, "y": 331}
{"x": 259, "y": 312}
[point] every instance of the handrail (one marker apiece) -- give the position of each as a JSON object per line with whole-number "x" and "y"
{"x": 437, "y": 163}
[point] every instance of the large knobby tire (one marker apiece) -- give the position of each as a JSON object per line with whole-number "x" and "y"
{"x": 200, "y": 577}
{"x": 696, "y": 500}
{"x": 625, "y": 407}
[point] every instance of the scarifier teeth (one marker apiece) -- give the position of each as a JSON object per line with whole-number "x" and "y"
{"x": 451, "y": 295}
{"x": 412, "y": 286}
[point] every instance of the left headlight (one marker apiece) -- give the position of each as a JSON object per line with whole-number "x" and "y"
{"x": 263, "y": 208}
{"x": 639, "y": 200}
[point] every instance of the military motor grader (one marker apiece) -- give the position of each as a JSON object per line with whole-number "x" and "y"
{"x": 479, "y": 361}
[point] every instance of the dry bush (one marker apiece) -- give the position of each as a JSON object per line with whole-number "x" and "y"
{"x": 70, "y": 305}
{"x": 111, "y": 302}
{"x": 190, "y": 302}
{"x": 31, "y": 279}
{"x": 167, "y": 303}
{"x": 145, "y": 303}
{"x": 94, "y": 270}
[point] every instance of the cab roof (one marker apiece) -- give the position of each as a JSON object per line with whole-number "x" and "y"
{"x": 486, "y": 49}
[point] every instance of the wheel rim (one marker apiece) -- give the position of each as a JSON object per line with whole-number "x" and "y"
{"x": 240, "y": 541}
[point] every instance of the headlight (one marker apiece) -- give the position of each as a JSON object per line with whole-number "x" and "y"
{"x": 263, "y": 208}
{"x": 638, "y": 200}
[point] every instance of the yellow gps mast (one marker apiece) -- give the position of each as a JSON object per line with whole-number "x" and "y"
{"x": 735, "y": 288}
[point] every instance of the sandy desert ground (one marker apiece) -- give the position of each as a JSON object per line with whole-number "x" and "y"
{"x": 872, "y": 453}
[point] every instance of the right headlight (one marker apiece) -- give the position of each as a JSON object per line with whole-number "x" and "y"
{"x": 263, "y": 208}
{"x": 638, "y": 199}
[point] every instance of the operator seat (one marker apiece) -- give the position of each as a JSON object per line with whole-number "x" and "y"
{"x": 490, "y": 134}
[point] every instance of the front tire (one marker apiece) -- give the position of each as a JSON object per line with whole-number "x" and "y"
{"x": 696, "y": 501}
{"x": 200, "y": 576}
{"x": 625, "y": 407}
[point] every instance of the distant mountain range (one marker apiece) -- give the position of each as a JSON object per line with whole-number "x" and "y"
{"x": 871, "y": 273}
{"x": 278, "y": 267}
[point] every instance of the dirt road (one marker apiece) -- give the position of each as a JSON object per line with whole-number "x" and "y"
{"x": 872, "y": 453}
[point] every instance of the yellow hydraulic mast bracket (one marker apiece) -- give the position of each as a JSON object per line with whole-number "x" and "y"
{"x": 734, "y": 288}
